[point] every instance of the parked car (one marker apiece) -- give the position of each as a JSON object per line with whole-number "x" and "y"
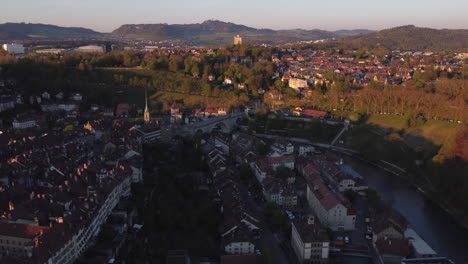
{"x": 346, "y": 240}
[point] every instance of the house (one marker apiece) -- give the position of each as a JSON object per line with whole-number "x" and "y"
{"x": 77, "y": 97}
{"x": 309, "y": 241}
{"x": 227, "y": 81}
{"x": 278, "y": 191}
{"x": 23, "y": 122}
{"x": 297, "y": 83}
{"x": 176, "y": 114}
{"x": 392, "y": 251}
{"x": 6, "y": 102}
{"x": 151, "y": 132}
{"x": 389, "y": 224}
{"x": 122, "y": 110}
{"x": 297, "y": 111}
{"x": 282, "y": 147}
{"x": 238, "y": 241}
{"x": 222, "y": 142}
{"x": 330, "y": 207}
{"x": 304, "y": 149}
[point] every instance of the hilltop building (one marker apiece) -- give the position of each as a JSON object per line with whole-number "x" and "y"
{"x": 237, "y": 40}
{"x": 13, "y": 48}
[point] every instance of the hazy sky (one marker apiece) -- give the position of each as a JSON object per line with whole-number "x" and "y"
{"x": 107, "y": 15}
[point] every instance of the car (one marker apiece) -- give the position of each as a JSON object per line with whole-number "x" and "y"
{"x": 346, "y": 240}
{"x": 340, "y": 238}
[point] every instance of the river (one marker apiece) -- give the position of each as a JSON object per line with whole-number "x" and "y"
{"x": 439, "y": 229}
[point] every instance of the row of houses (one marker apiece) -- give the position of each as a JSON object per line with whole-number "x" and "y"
{"x": 58, "y": 188}
{"x": 241, "y": 227}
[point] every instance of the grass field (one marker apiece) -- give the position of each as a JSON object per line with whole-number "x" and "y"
{"x": 371, "y": 138}
{"x": 433, "y": 132}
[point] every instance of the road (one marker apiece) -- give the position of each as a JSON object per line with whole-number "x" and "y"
{"x": 269, "y": 240}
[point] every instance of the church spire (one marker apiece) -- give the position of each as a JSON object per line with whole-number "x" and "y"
{"x": 146, "y": 115}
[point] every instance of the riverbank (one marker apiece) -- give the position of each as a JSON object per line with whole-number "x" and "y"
{"x": 431, "y": 222}
{"x": 438, "y": 201}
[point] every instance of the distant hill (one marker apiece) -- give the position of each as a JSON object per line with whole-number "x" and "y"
{"x": 410, "y": 38}
{"x": 216, "y": 32}
{"x": 25, "y": 31}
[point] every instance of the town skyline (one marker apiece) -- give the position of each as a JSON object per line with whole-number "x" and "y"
{"x": 334, "y": 15}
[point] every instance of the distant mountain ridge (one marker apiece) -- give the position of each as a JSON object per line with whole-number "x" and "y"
{"x": 218, "y": 32}
{"x": 24, "y": 31}
{"x": 410, "y": 38}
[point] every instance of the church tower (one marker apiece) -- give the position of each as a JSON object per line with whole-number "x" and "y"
{"x": 146, "y": 115}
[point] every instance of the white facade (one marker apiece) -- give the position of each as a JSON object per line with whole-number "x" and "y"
{"x": 237, "y": 248}
{"x": 310, "y": 252}
{"x": 336, "y": 218}
{"x": 24, "y": 124}
{"x": 80, "y": 241}
{"x": 14, "y": 48}
{"x": 296, "y": 83}
{"x": 7, "y": 104}
{"x": 91, "y": 48}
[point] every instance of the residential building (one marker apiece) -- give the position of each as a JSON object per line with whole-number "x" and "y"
{"x": 23, "y": 122}
{"x": 90, "y": 48}
{"x": 238, "y": 241}
{"x": 14, "y": 48}
{"x": 237, "y": 40}
{"x": 297, "y": 83}
{"x": 282, "y": 147}
{"x": 333, "y": 210}
{"x": 309, "y": 241}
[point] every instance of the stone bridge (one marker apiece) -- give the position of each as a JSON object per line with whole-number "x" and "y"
{"x": 225, "y": 123}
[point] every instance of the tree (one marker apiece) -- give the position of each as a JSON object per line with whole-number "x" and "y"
{"x": 282, "y": 172}
{"x": 262, "y": 148}
{"x": 246, "y": 172}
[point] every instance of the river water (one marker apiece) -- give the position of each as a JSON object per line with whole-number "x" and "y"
{"x": 433, "y": 224}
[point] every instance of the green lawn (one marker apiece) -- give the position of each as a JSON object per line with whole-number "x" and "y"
{"x": 428, "y": 137}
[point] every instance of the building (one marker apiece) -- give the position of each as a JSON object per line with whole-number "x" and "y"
{"x": 237, "y": 40}
{"x": 420, "y": 248}
{"x": 282, "y": 147}
{"x": 91, "y": 48}
{"x": 150, "y": 131}
{"x": 23, "y": 122}
{"x": 146, "y": 115}
{"x": 13, "y": 48}
{"x": 309, "y": 241}
{"x": 6, "y": 102}
{"x": 238, "y": 241}
{"x": 333, "y": 210}
{"x": 278, "y": 191}
{"x": 19, "y": 239}
{"x": 296, "y": 83}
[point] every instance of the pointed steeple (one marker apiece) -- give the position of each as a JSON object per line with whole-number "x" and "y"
{"x": 146, "y": 115}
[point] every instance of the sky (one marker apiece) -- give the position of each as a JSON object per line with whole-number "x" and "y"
{"x": 107, "y": 15}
